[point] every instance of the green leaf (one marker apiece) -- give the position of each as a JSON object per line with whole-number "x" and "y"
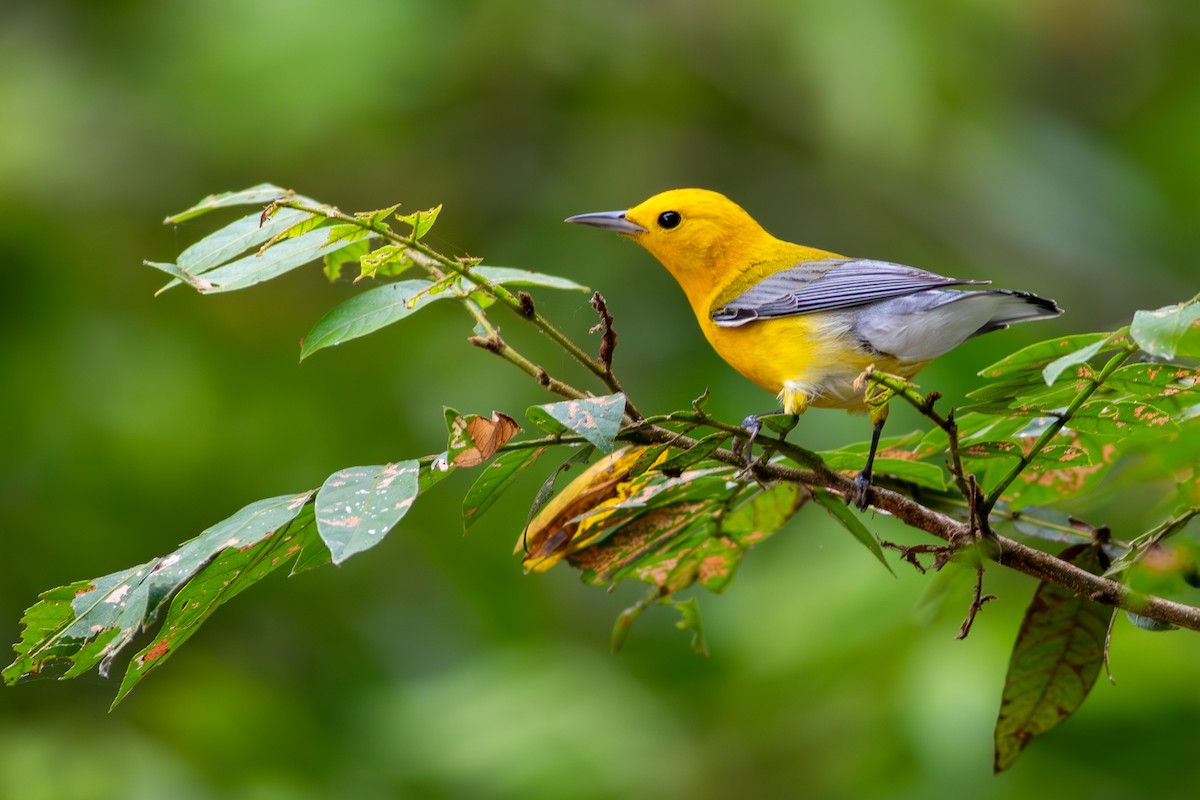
{"x": 1081, "y": 356}
{"x": 763, "y": 514}
{"x": 921, "y": 473}
{"x": 850, "y": 521}
{"x": 718, "y": 558}
{"x": 375, "y": 219}
{"x": 596, "y": 419}
{"x": 686, "y": 458}
{"x": 434, "y": 472}
{"x": 352, "y": 252}
{"x": 1038, "y": 356}
{"x": 1053, "y": 455}
{"x": 1054, "y": 663}
{"x": 421, "y": 221}
{"x": 495, "y": 479}
{"x": 546, "y": 490}
{"x": 391, "y": 259}
{"x": 624, "y": 621}
{"x": 689, "y": 611}
{"x": 1153, "y": 381}
{"x": 258, "y": 195}
{"x": 1168, "y": 331}
{"x": 299, "y": 228}
{"x": 523, "y": 277}
{"x": 1120, "y": 418}
{"x": 1048, "y": 524}
{"x": 368, "y": 312}
{"x": 75, "y": 627}
{"x": 347, "y": 232}
{"x": 239, "y": 236}
{"x": 231, "y": 572}
{"x": 358, "y": 506}
{"x": 279, "y": 259}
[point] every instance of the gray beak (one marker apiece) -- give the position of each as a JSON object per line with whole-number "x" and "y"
{"x": 609, "y": 221}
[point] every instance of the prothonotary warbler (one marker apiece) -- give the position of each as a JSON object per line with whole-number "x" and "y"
{"x": 801, "y": 322}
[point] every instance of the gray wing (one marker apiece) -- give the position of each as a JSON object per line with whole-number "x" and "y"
{"x": 827, "y": 285}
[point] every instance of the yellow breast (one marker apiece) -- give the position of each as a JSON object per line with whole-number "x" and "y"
{"x": 805, "y": 360}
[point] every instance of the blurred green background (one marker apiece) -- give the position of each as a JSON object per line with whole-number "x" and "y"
{"x": 1049, "y": 145}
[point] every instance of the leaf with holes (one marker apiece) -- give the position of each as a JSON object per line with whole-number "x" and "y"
{"x": 230, "y": 573}
{"x": 78, "y": 626}
{"x": 1169, "y": 331}
{"x": 596, "y": 419}
{"x": 475, "y": 439}
{"x": 358, "y": 506}
{"x": 1054, "y": 663}
{"x": 1036, "y": 357}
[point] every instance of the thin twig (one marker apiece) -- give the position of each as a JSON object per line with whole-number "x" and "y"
{"x": 1060, "y": 421}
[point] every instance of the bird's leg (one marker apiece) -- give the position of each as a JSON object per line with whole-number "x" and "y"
{"x": 753, "y": 425}
{"x": 862, "y": 483}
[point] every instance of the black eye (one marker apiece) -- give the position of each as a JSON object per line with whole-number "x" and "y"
{"x": 669, "y": 219}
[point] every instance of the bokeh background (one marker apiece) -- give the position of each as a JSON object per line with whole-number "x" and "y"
{"x": 1050, "y": 145}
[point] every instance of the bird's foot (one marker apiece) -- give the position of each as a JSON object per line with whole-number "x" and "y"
{"x": 862, "y": 491}
{"x": 745, "y": 449}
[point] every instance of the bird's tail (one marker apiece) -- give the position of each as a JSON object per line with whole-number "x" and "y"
{"x": 1015, "y": 306}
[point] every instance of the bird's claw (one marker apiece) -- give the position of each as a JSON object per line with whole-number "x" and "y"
{"x": 862, "y": 491}
{"x": 745, "y": 449}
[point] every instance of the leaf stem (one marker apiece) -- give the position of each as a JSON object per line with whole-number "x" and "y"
{"x": 1057, "y": 425}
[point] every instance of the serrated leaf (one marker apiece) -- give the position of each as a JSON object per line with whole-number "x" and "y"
{"x": 347, "y": 232}
{"x": 850, "y": 521}
{"x": 368, "y": 312}
{"x": 1168, "y": 331}
{"x": 689, "y": 611}
{"x": 299, "y": 228}
{"x": 89, "y": 622}
{"x": 391, "y": 259}
{"x": 231, "y": 572}
{"x": 258, "y": 195}
{"x": 1054, "y": 663}
{"x": 1038, "y": 356}
{"x": 625, "y": 620}
{"x": 596, "y": 419}
{"x": 375, "y": 218}
{"x": 421, "y": 221}
{"x": 495, "y": 480}
{"x": 357, "y": 507}
{"x": 352, "y": 252}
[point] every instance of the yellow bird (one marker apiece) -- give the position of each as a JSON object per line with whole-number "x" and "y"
{"x": 801, "y": 322}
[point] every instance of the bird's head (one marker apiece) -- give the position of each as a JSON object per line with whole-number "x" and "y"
{"x": 696, "y": 234}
